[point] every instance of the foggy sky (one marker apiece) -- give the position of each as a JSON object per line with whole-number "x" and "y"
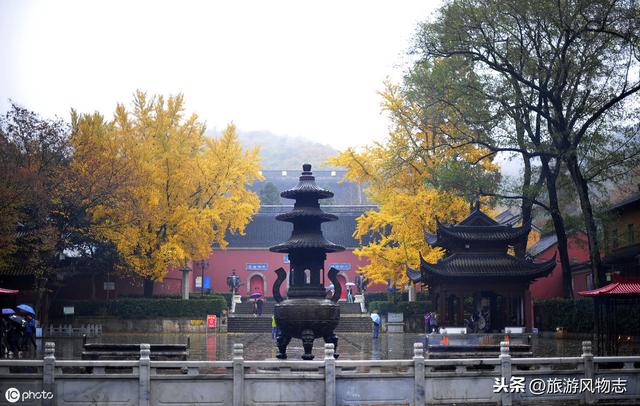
{"x": 300, "y": 68}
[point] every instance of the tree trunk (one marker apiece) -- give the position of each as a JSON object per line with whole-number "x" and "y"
{"x": 147, "y": 285}
{"x": 520, "y": 249}
{"x": 558, "y": 224}
{"x": 589, "y": 222}
{"x": 41, "y": 306}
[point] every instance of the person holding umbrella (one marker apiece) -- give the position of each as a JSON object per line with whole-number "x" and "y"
{"x": 375, "y": 317}
{"x": 256, "y": 304}
{"x": 3, "y": 331}
{"x": 259, "y": 306}
{"x": 349, "y": 293}
{"x": 14, "y": 328}
{"x": 29, "y": 333}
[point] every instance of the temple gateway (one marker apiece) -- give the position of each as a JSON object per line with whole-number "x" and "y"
{"x": 478, "y": 284}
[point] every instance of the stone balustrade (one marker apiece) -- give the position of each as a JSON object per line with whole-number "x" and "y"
{"x": 67, "y": 330}
{"x": 416, "y": 381}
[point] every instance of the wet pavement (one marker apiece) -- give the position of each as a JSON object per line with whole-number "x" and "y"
{"x": 260, "y": 346}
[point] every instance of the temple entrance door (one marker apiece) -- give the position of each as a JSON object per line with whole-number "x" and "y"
{"x": 343, "y": 283}
{"x": 500, "y": 316}
{"x": 256, "y": 284}
{"x": 483, "y": 312}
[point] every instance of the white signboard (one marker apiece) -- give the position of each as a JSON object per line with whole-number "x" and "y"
{"x": 68, "y": 310}
{"x": 395, "y": 318}
{"x": 198, "y": 282}
{"x": 109, "y": 286}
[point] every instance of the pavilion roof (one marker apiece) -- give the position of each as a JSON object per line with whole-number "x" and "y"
{"x": 475, "y": 265}
{"x": 621, "y": 286}
{"x": 477, "y": 227}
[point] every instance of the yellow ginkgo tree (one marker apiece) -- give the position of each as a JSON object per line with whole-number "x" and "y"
{"x": 406, "y": 177}
{"x": 157, "y": 188}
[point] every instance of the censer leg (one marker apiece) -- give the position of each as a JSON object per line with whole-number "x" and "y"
{"x": 307, "y": 344}
{"x": 333, "y": 339}
{"x": 283, "y": 341}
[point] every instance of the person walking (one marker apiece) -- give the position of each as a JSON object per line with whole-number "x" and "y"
{"x": 349, "y": 295}
{"x": 427, "y": 323}
{"x": 433, "y": 322}
{"x": 375, "y": 317}
{"x": 274, "y": 327}
{"x": 14, "y": 330}
{"x": 259, "y": 306}
{"x": 29, "y": 334}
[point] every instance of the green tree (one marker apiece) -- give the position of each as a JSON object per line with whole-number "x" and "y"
{"x": 33, "y": 159}
{"x": 570, "y": 71}
{"x": 269, "y": 195}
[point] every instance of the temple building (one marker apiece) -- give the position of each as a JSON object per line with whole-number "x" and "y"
{"x": 478, "y": 284}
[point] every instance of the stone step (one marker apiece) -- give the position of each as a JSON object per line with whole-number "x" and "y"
{"x": 247, "y": 308}
{"x": 262, "y": 324}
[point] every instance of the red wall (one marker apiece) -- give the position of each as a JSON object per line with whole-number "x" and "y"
{"x": 222, "y": 262}
{"x": 219, "y": 265}
{"x": 551, "y": 286}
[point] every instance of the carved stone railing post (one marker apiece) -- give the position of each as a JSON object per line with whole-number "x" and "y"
{"x": 329, "y": 375}
{"x": 144, "y": 374}
{"x": 418, "y": 371}
{"x": 589, "y": 372}
{"x": 48, "y": 371}
{"x": 505, "y": 368}
{"x": 238, "y": 374}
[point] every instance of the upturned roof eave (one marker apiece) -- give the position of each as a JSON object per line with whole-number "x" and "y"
{"x": 536, "y": 270}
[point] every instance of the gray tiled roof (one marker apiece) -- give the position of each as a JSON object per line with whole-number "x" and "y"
{"x": 626, "y": 201}
{"x": 475, "y": 265}
{"x": 265, "y": 231}
{"x": 546, "y": 242}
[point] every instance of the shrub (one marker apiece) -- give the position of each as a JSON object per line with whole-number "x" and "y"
{"x": 574, "y": 314}
{"x": 385, "y": 297}
{"x": 144, "y": 308}
{"x": 577, "y": 316}
{"x": 406, "y": 308}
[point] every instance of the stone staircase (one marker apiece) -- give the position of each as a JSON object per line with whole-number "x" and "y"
{"x": 249, "y": 324}
{"x": 262, "y": 324}
{"x": 243, "y": 321}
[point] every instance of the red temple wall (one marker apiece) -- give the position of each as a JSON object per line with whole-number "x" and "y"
{"x": 551, "y": 286}
{"x": 219, "y": 265}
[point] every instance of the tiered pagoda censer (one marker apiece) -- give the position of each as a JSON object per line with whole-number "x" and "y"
{"x": 306, "y": 313}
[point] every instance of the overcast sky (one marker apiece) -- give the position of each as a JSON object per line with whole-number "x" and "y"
{"x": 301, "y": 68}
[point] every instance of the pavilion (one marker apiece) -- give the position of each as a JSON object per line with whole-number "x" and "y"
{"x": 620, "y": 297}
{"x": 478, "y": 284}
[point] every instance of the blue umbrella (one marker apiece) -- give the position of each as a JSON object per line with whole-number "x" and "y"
{"x": 255, "y": 295}
{"x": 7, "y": 311}
{"x": 26, "y": 308}
{"x": 375, "y": 317}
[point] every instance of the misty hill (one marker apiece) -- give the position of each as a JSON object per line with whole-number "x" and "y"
{"x": 283, "y": 152}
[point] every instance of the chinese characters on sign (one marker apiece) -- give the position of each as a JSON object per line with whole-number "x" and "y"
{"x": 256, "y": 267}
{"x": 340, "y": 267}
{"x": 556, "y": 386}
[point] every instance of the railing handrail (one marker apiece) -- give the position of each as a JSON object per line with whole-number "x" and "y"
{"x": 418, "y": 370}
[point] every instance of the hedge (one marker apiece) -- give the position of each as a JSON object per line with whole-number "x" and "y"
{"x": 384, "y": 297}
{"x": 407, "y": 308}
{"x": 577, "y": 316}
{"x": 574, "y": 314}
{"x": 143, "y": 308}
